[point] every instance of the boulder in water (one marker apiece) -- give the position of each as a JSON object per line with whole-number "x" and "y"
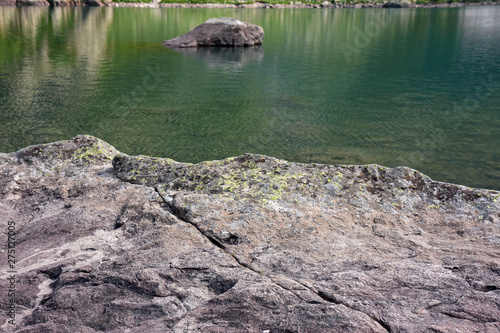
{"x": 223, "y": 31}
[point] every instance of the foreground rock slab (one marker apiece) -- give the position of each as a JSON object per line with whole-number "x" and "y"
{"x": 107, "y": 242}
{"x": 221, "y": 31}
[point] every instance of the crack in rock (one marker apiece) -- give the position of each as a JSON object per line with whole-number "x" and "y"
{"x": 179, "y": 214}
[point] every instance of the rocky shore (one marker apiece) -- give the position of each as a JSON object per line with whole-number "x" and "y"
{"x": 297, "y": 4}
{"x": 104, "y": 241}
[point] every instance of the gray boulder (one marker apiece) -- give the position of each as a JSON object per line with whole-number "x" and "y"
{"x": 221, "y": 31}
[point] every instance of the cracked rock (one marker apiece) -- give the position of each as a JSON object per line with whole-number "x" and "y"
{"x": 107, "y": 242}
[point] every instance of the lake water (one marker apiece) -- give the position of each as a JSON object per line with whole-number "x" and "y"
{"x": 415, "y": 87}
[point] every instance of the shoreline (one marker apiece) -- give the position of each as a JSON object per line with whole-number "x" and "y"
{"x": 325, "y": 4}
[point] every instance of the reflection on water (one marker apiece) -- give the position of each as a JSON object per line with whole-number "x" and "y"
{"x": 225, "y": 58}
{"x": 56, "y": 55}
{"x": 394, "y": 87}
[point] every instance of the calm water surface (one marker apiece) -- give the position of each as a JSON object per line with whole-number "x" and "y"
{"x": 415, "y": 87}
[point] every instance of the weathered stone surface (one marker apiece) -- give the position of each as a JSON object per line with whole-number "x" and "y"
{"x": 221, "y": 31}
{"x": 118, "y": 243}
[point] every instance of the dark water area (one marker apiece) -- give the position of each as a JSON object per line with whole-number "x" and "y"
{"x": 414, "y": 87}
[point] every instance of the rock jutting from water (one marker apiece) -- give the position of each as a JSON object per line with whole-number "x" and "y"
{"x": 109, "y": 242}
{"x": 222, "y": 31}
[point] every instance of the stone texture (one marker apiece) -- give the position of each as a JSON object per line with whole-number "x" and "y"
{"x": 221, "y": 31}
{"x": 117, "y": 243}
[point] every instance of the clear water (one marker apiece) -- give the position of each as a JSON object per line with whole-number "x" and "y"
{"x": 415, "y": 87}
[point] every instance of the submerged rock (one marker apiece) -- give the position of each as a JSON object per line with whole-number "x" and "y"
{"x": 118, "y": 243}
{"x": 221, "y": 31}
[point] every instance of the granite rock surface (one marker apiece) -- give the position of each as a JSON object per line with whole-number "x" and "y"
{"x": 219, "y": 32}
{"x": 106, "y": 242}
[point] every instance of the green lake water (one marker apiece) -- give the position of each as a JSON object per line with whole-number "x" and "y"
{"x": 415, "y": 87}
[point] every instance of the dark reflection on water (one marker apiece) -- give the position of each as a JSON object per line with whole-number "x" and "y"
{"x": 225, "y": 57}
{"x": 416, "y": 87}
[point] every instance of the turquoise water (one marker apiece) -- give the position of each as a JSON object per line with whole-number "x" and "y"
{"x": 415, "y": 87}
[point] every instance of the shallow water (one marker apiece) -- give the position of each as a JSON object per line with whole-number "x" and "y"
{"x": 415, "y": 87}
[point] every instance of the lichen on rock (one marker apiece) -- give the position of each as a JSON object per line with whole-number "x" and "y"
{"x": 265, "y": 178}
{"x": 81, "y": 150}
